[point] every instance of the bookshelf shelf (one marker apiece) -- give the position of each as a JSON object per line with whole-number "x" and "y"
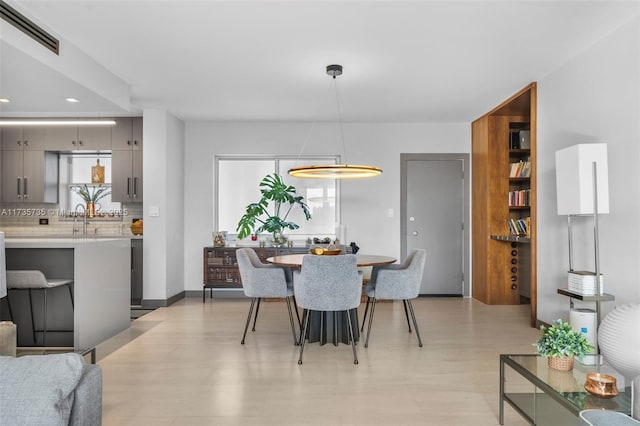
{"x": 511, "y": 238}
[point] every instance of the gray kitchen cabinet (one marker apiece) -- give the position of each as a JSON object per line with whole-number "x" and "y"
{"x": 77, "y": 138}
{"x": 136, "y": 272}
{"x": 127, "y": 134}
{"x": 29, "y": 177}
{"x": 126, "y": 176}
{"x": 22, "y": 138}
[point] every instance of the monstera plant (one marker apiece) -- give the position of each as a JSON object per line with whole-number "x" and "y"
{"x": 271, "y": 212}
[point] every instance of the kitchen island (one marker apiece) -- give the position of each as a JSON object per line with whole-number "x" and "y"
{"x": 101, "y": 272}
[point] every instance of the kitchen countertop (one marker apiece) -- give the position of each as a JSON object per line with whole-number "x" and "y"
{"x": 56, "y": 242}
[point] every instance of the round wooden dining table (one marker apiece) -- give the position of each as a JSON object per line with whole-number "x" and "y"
{"x": 331, "y": 326}
{"x": 362, "y": 260}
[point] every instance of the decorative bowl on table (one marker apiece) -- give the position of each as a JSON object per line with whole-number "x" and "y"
{"x": 601, "y": 385}
{"x": 325, "y": 251}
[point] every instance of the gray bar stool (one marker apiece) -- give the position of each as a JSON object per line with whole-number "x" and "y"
{"x": 36, "y": 280}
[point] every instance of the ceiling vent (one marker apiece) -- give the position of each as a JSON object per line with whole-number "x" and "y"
{"x": 19, "y": 21}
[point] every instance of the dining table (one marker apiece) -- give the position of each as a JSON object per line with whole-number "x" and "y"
{"x": 331, "y": 326}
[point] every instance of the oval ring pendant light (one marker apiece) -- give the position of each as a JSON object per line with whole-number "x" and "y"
{"x": 335, "y": 171}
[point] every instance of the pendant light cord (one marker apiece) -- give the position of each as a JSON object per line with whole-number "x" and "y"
{"x": 339, "y": 106}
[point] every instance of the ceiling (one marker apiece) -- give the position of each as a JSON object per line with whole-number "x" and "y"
{"x": 413, "y": 61}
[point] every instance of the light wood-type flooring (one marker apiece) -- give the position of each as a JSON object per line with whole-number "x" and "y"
{"x": 184, "y": 365}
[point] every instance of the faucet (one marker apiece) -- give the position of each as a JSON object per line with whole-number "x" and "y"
{"x": 84, "y": 219}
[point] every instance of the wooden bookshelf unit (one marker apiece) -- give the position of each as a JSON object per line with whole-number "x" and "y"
{"x": 503, "y": 259}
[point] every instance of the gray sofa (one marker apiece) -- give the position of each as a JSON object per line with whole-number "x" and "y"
{"x": 612, "y": 418}
{"x": 47, "y": 390}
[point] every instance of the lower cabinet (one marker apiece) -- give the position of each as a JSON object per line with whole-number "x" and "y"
{"x": 220, "y": 267}
{"x": 136, "y": 272}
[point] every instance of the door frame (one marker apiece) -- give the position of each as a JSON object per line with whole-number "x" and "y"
{"x": 466, "y": 236}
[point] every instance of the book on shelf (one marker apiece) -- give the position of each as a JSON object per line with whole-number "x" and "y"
{"x": 584, "y": 282}
{"x": 520, "y": 169}
{"x": 520, "y": 227}
{"x": 521, "y": 198}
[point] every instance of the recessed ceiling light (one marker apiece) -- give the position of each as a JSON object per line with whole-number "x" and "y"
{"x": 4, "y": 100}
{"x": 72, "y": 100}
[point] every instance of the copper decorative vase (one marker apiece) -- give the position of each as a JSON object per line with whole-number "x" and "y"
{"x": 562, "y": 363}
{"x": 91, "y": 209}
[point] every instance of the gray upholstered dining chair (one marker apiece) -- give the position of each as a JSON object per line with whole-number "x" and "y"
{"x": 328, "y": 283}
{"x": 261, "y": 280}
{"x": 396, "y": 282}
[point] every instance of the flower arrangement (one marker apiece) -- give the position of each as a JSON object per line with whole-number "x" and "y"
{"x": 92, "y": 195}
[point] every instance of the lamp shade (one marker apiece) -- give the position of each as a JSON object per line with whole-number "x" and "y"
{"x": 3, "y": 268}
{"x": 574, "y": 179}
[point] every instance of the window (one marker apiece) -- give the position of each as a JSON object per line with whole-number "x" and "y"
{"x": 75, "y": 171}
{"x": 237, "y": 186}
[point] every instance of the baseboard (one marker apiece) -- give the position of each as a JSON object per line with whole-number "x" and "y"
{"x": 163, "y": 303}
{"x": 222, "y": 293}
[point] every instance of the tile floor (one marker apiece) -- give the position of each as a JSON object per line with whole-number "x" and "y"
{"x": 184, "y": 366}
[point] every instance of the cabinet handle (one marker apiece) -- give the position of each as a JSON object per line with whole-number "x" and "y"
{"x": 19, "y": 143}
{"x": 18, "y": 190}
{"x": 135, "y": 142}
{"x": 128, "y": 187}
{"x": 80, "y": 143}
{"x": 135, "y": 187}
{"x": 26, "y": 188}
{"x": 129, "y": 143}
{"x": 26, "y": 143}
{"x": 73, "y": 143}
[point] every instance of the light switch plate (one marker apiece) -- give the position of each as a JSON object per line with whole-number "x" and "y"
{"x": 154, "y": 211}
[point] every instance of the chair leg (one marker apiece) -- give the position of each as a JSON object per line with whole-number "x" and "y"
{"x": 295, "y": 306}
{"x": 305, "y": 312}
{"x": 9, "y": 306}
{"x": 71, "y": 296}
{"x": 351, "y": 336}
{"x": 373, "y": 309}
{"x": 246, "y": 326}
{"x": 305, "y": 320}
{"x": 33, "y": 323}
{"x": 204, "y": 289}
{"x": 322, "y": 332}
{"x": 44, "y": 318}
{"x": 406, "y": 313}
{"x": 256, "y": 317}
{"x": 293, "y": 329}
{"x": 366, "y": 309}
{"x": 415, "y": 324}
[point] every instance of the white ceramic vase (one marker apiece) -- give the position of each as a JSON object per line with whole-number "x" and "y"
{"x": 619, "y": 339}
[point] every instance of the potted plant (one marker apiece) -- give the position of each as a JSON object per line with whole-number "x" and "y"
{"x": 560, "y": 343}
{"x": 283, "y": 198}
{"x": 91, "y": 197}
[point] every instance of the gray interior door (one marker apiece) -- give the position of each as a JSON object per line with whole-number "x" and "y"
{"x": 435, "y": 221}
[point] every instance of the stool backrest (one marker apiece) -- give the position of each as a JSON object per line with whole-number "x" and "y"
{"x": 26, "y": 279}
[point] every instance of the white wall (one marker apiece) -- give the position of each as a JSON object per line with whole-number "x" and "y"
{"x": 164, "y": 170}
{"x": 364, "y": 202}
{"x": 594, "y": 97}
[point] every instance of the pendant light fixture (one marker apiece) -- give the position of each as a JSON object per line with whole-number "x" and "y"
{"x": 336, "y": 171}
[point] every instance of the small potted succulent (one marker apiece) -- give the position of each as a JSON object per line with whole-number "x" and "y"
{"x": 560, "y": 343}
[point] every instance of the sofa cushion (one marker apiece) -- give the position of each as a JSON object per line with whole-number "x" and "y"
{"x": 38, "y": 389}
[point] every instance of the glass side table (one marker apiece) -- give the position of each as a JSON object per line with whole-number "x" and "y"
{"x": 546, "y": 397}
{"x": 24, "y": 350}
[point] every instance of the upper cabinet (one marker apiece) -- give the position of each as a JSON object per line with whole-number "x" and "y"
{"x": 77, "y": 138}
{"x": 126, "y": 160}
{"x": 22, "y": 138}
{"x": 504, "y": 202}
{"x": 127, "y": 134}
